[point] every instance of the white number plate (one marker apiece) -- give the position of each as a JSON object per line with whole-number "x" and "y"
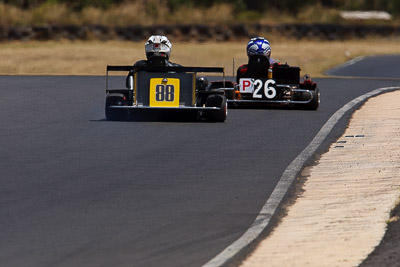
{"x": 259, "y": 88}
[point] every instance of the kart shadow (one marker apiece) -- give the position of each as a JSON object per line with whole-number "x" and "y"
{"x": 148, "y": 115}
{"x": 163, "y": 115}
{"x": 261, "y": 106}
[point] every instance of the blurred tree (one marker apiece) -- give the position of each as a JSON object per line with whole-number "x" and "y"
{"x": 290, "y": 6}
{"x": 79, "y": 5}
{"x": 175, "y": 4}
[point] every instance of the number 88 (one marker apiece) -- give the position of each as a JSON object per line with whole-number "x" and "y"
{"x": 165, "y": 92}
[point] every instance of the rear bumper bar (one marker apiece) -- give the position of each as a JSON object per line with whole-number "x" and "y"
{"x": 166, "y": 108}
{"x": 277, "y": 101}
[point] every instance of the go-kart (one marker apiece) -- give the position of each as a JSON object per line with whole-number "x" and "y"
{"x": 282, "y": 86}
{"x": 164, "y": 89}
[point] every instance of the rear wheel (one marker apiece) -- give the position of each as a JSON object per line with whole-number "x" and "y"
{"x": 115, "y": 114}
{"x": 220, "y": 102}
{"x": 314, "y": 104}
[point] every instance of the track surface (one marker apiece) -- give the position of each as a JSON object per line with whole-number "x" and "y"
{"x": 76, "y": 190}
{"x": 386, "y": 66}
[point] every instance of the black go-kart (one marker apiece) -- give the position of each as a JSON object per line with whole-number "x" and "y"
{"x": 165, "y": 90}
{"x": 280, "y": 87}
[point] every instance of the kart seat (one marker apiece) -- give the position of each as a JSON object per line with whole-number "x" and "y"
{"x": 258, "y": 67}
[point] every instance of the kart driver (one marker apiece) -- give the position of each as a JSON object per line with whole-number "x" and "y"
{"x": 158, "y": 51}
{"x": 259, "y": 54}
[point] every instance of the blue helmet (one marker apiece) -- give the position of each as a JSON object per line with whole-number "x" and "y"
{"x": 259, "y": 46}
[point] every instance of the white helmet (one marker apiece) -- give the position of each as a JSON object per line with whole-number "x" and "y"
{"x": 158, "y": 45}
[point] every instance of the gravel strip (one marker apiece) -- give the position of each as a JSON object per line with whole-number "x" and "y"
{"x": 342, "y": 214}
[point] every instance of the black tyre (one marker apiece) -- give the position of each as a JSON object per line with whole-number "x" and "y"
{"x": 113, "y": 114}
{"x": 219, "y": 101}
{"x": 314, "y": 104}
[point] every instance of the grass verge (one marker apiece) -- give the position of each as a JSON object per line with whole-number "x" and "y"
{"x": 91, "y": 57}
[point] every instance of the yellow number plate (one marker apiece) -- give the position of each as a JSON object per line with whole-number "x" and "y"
{"x": 164, "y": 92}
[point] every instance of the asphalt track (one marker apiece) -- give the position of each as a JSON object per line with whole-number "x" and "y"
{"x": 77, "y": 190}
{"x": 385, "y": 66}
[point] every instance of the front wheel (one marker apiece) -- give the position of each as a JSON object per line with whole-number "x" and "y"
{"x": 220, "y": 114}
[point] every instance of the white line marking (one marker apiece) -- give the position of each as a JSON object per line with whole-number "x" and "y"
{"x": 287, "y": 178}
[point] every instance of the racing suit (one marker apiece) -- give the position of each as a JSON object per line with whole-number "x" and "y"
{"x": 257, "y": 67}
{"x": 152, "y": 62}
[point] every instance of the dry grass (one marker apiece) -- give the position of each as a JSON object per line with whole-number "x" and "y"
{"x": 91, "y": 57}
{"x": 131, "y": 13}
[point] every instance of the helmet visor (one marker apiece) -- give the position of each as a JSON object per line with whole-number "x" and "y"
{"x": 157, "y": 47}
